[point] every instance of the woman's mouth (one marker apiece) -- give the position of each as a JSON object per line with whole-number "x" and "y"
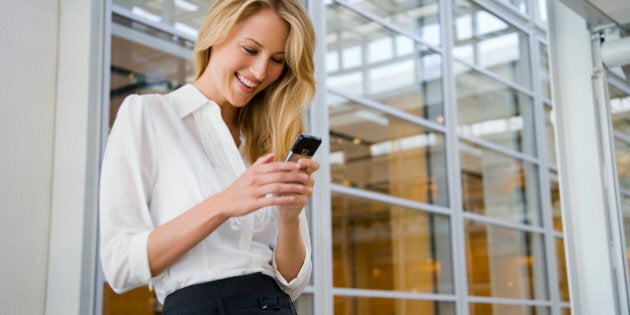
{"x": 246, "y": 82}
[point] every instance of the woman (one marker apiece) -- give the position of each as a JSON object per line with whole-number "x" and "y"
{"x": 181, "y": 210}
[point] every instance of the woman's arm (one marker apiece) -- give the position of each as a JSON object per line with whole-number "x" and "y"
{"x": 290, "y": 252}
{"x": 248, "y": 193}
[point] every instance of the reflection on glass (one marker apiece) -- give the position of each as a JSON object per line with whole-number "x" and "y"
{"x": 139, "y": 69}
{"x": 499, "y": 186}
{"x": 378, "y": 152}
{"x": 625, "y": 211}
{"x": 421, "y": 18}
{"x": 620, "y": 110}
{"x": 492, "y": 43}
{"x": 385, "y": 247}
{"x": 183, "y": 16}
{"x": 545, "y": 75}
{"x": 518, "y": 5}
{"x": 542, "y": 11}
{"x": 140, "y": 301}
{"x": 346, "y": 305}
{"x": 494, "y": 112}
{"x": 371, "y": 61}
{"x": 504, "y": 262}
{"x": 550, "y": 130}
{"x": 563, "y": 277}
{"x": 503, "y": 309}
{"x": 556, "y": 206}
{"x": 304, "y": 304}
{"x": 622, "y": 154}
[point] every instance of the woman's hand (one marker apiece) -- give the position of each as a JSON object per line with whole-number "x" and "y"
{"x": 287, "y": 185}
{"x": 292, "y": 211}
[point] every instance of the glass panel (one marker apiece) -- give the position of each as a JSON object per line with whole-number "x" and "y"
{"x": 378, "y": 152}
{"x": 491, "y": 43}
{"x": 376, "y": 63}
{"x": 499, "y": 309}
{"x": 620, "y": 110}
{"x": 556, "y": 206}
{"x": 418, "y": 17}
{"x": 550, "y": 130}
{"x": 499, "y": 186}
{"x": 504, "y": 262}
{"x": 518, "y": 5}
{"x": 565, "y": 311}
{"x": 140, "y": 69}
{"x": 625, "y": 211}
{"x": 140, "y": 301}
{"x": 563, "y": 277}
{"x": 385, "y": 247}
{"x": 541, "y": 14}
{"x": 622, "y": 153}
{"x": 492, "y": 111}
{"x": 377, "y": 306}
{"x": 184, "y": 16}
{"x": 545, "y": 75}
{"x": 304, "y": 304}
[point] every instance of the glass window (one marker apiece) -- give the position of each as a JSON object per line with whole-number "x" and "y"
{"x": 620, "y": 110}
{"x": 503, "y": 309}
{"x": 550, "y": 130}
{"x": 378, "y": 152}
{"x": 625, "y": 211}
{"x": 140, "y": 68}
{"x": 563, "y": 277}
{"x": 499, "y": 186}
{"x": 518, "y": 5}
{"x": 184, "y": 16}
{"x": 493, "y": 111}
{"x": 345, "y": 305}
{"x": 545, "y": 74}
{"x": 382, "y": 65}
{"x": 556, "y": 206}
{"x": 622, "y": 153}
{"x": 504, "y": 262}
{"x": 304, "y": 304}
{"x": 418, "y": 17}
{"x": 380, "y": 246}
{"x": 491, "y": 43}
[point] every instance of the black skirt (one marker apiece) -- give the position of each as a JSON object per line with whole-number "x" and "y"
{"x": 249, "y": 294}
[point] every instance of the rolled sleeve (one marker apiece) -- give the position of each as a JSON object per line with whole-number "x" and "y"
{"x": 295, "y": 287}
{"x": 125, "y": 191}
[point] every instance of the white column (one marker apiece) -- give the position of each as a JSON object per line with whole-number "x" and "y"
{"x": 72, "y": 248}
{"x": 583, "y": 168}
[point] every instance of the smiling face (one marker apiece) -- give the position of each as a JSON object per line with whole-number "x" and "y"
{"x": 250, "y": 59}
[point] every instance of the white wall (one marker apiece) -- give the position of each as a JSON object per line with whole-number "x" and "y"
{"x": 28, "y": 59}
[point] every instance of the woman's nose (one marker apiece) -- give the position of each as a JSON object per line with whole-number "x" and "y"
{"x": 259, "y": 69}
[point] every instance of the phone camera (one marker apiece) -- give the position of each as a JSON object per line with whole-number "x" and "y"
{"x": 304, "y": 151}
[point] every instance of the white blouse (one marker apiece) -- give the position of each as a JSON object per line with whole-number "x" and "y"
{"x": 160, "y": 162}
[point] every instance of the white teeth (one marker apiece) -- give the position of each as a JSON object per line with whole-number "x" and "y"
{"x": 248, "y": 83}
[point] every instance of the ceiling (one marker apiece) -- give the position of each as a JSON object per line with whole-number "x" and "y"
{"x": 617, "y": 10}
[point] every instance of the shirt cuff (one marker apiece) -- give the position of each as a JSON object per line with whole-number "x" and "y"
{"x": 305, "y": 271}
{"x": 139, "y": 258}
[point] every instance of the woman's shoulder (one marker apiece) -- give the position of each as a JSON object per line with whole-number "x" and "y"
{"x": 145, "y": 104}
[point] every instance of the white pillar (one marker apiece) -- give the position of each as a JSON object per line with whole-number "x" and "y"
{"x": 72, "y": 247}
{"x": 585, "y": 172}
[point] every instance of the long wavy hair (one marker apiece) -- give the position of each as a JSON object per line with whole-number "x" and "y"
{"x": 272, "y": 120}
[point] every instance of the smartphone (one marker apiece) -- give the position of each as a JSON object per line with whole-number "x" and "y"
{"x": 303, "y": 147}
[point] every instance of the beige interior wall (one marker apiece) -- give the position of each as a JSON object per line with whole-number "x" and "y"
{"x": 28, "y": 59}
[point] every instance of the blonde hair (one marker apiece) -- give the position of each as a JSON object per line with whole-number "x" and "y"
{"x": 272, "y": 120}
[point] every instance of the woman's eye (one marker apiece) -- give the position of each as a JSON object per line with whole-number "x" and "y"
{"x": 250, "y": 51}
{"x": 279, "y": 61}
